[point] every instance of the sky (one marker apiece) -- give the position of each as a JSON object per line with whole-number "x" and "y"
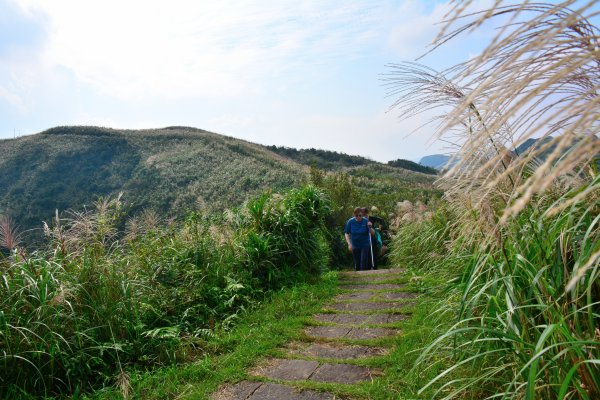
{"x": 289, "y": 73}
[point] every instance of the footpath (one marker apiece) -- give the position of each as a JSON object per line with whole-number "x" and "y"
{"x": 340, "y": 345}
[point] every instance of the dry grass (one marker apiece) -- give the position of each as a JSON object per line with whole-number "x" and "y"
{"x": 523, "y": 228}
{"x": 10, "y": 236}
{"x": 538, "y": 78}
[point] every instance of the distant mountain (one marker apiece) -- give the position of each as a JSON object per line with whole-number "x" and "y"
{"x": 412, "y": 166}
{"x": 532, "y": 144}
{"x": 437, "y": 161}
{"x": 171, "y": 170}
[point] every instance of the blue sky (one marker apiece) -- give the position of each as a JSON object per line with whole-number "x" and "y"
{"x": 299, "y": 74}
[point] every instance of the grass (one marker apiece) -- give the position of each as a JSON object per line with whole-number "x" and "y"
{"x": 258, "y": 334}
{"x": 100, "y": 305}
{"x": 262, "y": 334}
{"x": 518, "y": 233}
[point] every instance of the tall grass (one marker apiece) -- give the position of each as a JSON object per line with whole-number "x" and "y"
{"x": 101, "y": 302}
{"x": 523, "y": 234}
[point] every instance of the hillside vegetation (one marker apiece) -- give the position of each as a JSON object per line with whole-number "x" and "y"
{"x": 171, "y": 171}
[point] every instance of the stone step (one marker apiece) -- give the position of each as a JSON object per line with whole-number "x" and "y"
{"x": 372, "y": 286}
{"x": 361, "y": 319}
{"x": 347, "y": 332}
{"x": 370, "y": 296}
{"x": 247, "y": 390}
{"x": 336, "y": 351}
{"x": 368, "y": 306}
{"x": 294, "y": 370}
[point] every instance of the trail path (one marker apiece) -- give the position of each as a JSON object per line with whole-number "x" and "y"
{"x": 349, "y": 329}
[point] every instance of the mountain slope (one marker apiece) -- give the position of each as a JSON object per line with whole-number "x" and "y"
{"x": 171, "y": 170}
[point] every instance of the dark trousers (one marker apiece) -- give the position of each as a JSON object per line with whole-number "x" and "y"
{"x": 361, "y": 258}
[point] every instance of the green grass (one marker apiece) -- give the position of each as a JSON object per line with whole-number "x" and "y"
{"x": 511, "y": 316}
{"x": 262, "y": 333}
{"x": 95, "y": 308}
{"x": 259, "y": 334}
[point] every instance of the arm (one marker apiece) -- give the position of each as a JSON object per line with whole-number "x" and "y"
{"x": 348, "y": 241}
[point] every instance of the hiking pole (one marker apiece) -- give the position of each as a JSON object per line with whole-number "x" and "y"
{"x": 371, "y": 249}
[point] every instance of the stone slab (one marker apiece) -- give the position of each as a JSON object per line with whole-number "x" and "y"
{"x": 392, "y": 318}
{"x": 356, "y": 296}
{"x": 327, "y": 332}
{"x": 369, "y": 278}
{"x": 372, "y": 286}
{"x": 368, "y": 306}
{"x": 324, "y": 317}
{"x": 369, "y": 296}
{"x": 239, "y": 391}
{"x": 341, "y": 373}
{"x": 352, "y": 319}
{"x": 342, "y": 352}
{"x": 288, "y": 370}
{"x": 272, "y": 391}
{"x": 397, "y": 295}
{"x": 361, "y": 319}
{"x": 370, "y": 333}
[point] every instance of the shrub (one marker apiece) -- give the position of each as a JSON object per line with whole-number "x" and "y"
{"x": 95, "y": 305}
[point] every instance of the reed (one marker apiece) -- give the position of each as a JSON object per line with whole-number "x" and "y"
{"x": 523, "y": 236}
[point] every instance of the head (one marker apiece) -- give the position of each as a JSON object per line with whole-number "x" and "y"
{"x": 358, "y": 214}
{"x": 365, "y": 211}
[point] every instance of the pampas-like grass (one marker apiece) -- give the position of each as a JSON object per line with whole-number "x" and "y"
{"x": 524, "y": 230}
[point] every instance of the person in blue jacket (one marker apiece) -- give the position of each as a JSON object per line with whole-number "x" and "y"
{"x": 357, "y": 231}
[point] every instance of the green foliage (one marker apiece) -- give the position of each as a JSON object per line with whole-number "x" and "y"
{"x": 526, "y": 311}
{"x": 76, "y": 317}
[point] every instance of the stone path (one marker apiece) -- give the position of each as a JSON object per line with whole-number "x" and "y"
{"x": 343, "y": 332}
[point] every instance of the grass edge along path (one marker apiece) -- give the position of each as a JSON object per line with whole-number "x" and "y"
{"x": 230, "y": 354}
{"x": 395, "y": 375}
{"x": 262, "y": 333}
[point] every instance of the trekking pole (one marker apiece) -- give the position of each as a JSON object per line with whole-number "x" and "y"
{"x": 371, "y": 249}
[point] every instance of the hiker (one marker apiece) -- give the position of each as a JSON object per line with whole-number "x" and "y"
{"x": 357, "y": 231}
{"x": 373, "y": 249}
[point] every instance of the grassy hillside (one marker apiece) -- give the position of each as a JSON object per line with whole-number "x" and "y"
{"x": 168, "y": 170}
{"x": 171, "y": 170}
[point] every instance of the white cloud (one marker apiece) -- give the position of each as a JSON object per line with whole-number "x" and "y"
{"x": 185, "y": 48}
{"x": 266, "y": 71}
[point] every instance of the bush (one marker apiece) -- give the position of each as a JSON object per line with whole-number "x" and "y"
{"x": 92, "y": 307}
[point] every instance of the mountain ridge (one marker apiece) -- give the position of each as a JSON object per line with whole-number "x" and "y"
{"x": 171, "y": 170}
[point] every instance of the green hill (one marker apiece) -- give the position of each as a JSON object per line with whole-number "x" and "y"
{"x": 171, "y": 170}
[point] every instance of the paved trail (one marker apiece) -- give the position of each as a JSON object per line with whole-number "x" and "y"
{"x": 358, "y": 315}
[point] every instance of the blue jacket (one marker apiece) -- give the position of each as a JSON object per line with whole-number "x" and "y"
{"x": 359, "y": 232}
